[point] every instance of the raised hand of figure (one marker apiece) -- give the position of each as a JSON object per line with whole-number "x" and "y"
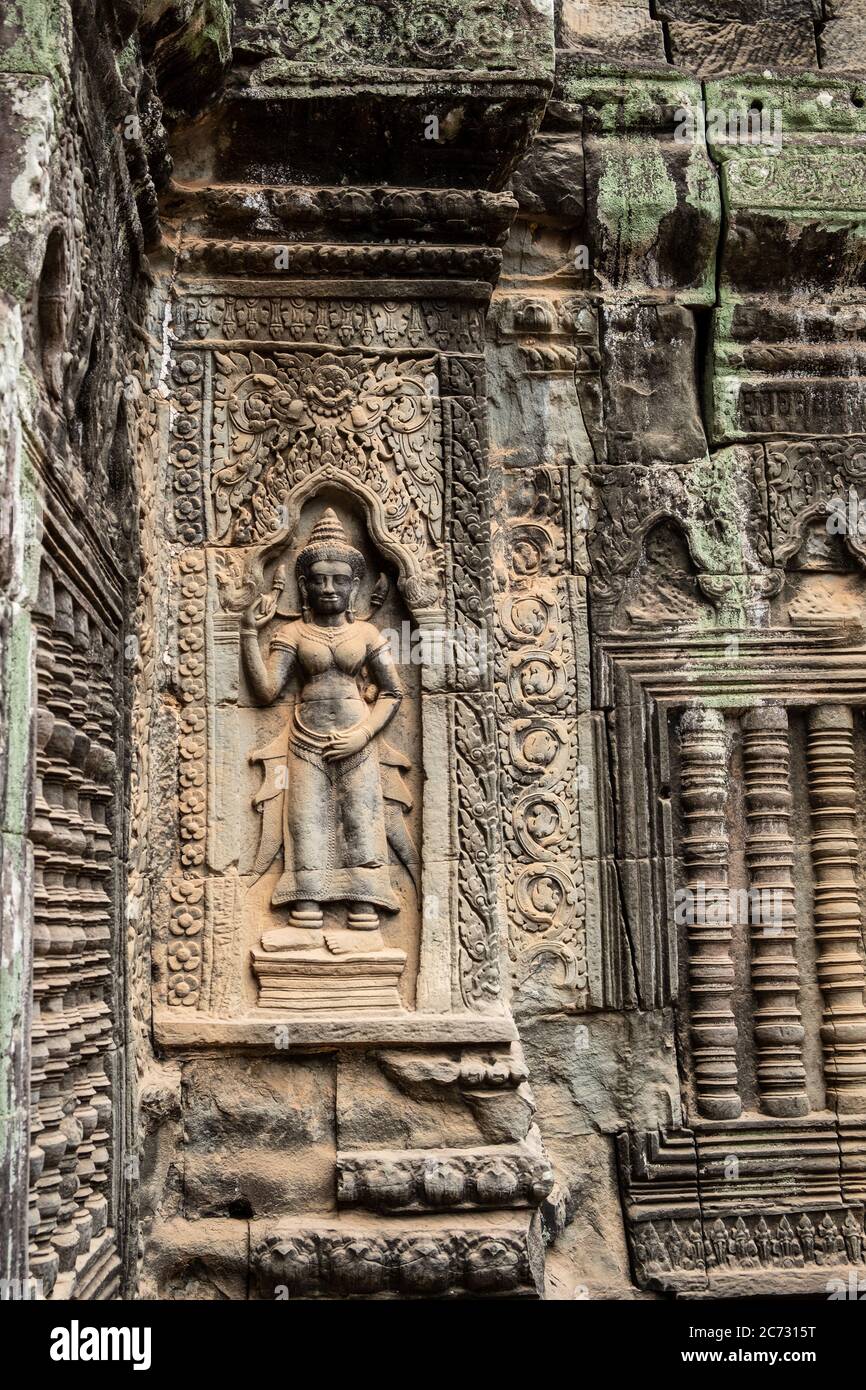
{"x": 346, "y": 742}
{"x": 260, "y": 611}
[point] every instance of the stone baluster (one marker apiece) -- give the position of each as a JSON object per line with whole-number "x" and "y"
{"x": 51, "y": 946}
{"x": 838, "y": 920}
{"x": 104, "y": 771}
{"x": 775, "y": 973}
{"x": 713, "y": 1031}
{"x": 88, "y": 915}
{"x": 68, "y": 934}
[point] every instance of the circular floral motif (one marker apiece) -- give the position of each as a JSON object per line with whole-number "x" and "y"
{"x": 192, "y": 801}
{"x": 186, "y": 922}
{"x": 192, "y": 773}
{"x": 191, "y": 665}
{"x": 192, "y": 720}
{"x": 185, "y": 480}
{"x": 183, "y": 989}
{"x": 187, "y": 369}
{"x": 430, "y": 33}
{"x": 184, "y": 956}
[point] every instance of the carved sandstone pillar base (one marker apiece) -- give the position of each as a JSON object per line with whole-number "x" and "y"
{"x": 318, "y": 982}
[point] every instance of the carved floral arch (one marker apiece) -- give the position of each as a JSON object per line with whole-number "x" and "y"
{"x": 420, "y": 591}
{"x": 819, "y": 510}
{"x": 416, "y": 586}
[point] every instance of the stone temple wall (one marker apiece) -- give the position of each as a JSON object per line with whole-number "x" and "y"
{"x": 432, "y": 654}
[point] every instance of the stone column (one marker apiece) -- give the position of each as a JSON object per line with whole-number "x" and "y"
{"x": 778, "y": 1026}
{"x": 838, "y": 917}
{"x": 713, "y": 1032}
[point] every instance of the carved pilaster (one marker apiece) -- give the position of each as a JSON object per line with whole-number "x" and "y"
{"x": 838, "y": 918}
{"x": 778, "y": 1026}
{"x": 713, "y": 1030}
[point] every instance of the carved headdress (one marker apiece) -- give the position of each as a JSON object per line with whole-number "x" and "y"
{"x": 328, "y": 541}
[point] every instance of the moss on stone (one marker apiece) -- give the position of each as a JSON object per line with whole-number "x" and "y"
{"x": 634, "y": 193}
{"x": 35, "y": 34}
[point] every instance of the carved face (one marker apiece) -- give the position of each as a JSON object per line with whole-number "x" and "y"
{"x": 330, "y": 586}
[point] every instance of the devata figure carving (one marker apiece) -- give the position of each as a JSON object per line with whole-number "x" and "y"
{"x": 329, "y": 773}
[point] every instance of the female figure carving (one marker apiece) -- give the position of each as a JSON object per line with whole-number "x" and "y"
{"x": 329, "y": 772}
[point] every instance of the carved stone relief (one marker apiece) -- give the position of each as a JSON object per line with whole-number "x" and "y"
{"x": 388, "y": 462}
{"x": 432, "y": 650}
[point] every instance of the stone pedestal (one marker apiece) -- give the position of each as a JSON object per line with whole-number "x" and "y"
{"x": 317, "y": 982}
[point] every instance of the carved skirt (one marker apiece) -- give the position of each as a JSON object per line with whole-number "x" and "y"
{"x": 334, "y": 841}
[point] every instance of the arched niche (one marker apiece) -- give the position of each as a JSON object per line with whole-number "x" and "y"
{"x": 662, "y": 587}
{"x": 381, "y": 602}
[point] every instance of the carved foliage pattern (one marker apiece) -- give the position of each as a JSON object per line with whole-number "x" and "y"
{"x": 536, "y": 697}
{"x": 813, "y": 479}
{"x": 470, "y": 574}
{"x": 187, "y": 888}
{"x": 443, "y": 1179}
{"x": 478, "y": 822}
{"x": 279, "y": 420}
{"x": 441, "y": 34}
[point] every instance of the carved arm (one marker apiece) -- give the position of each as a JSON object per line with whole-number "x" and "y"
{"x": 266, "y": 679}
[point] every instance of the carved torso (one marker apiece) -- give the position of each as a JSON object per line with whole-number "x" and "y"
{"x": 328, "y": 661}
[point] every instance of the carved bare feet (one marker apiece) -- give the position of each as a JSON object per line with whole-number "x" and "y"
{"x": 342, "y": 942}
{"x": 303, "y": 932}
{"x": 292, "y": 939}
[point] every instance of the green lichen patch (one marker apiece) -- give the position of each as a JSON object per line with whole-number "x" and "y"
{"x": 35, "y": 36}
{"x": 635, "y": 192}
{"x": 623, "y": 105}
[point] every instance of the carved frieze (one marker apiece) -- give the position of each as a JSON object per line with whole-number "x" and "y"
{"x": 357, "y": 213}
{"x": 433, "y": 1180}
{"x": 316, "y": 314}
{"x": 815, "y": 480}
{"x": 713, "y": 505}
{"x": 667, "y": 1252}
{"x": 255, "y": 438}
{"x": 310, "y": 1262}
{"x": 690, "y": 1229}
{"x": 493, "y": 36}
{"x": 798, "y": 178}
{"x": 255, "y": 259}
